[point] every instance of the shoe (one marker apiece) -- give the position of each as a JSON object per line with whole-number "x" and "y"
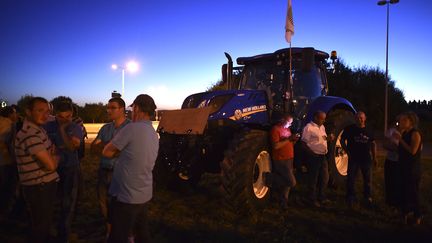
{"x": 131, "y": 239}
{"x": 405, "y": 219}
{"x": 325, "y": 202}
{"x": 283, "y": 205}
{"x": 418, "y": 220}
{"x": 316, "y": 204}
{"x": 369, "y": 202}
{"x": 351, "y": 204}
{"x": 303, "y": 169}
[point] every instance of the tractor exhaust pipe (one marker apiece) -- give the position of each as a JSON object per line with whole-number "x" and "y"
{"x": 227, "y": 70}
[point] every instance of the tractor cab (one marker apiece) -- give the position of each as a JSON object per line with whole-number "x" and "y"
{"x": 271, "y": 73}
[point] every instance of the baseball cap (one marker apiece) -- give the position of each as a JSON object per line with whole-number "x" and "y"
{"x": 145, "y": 103}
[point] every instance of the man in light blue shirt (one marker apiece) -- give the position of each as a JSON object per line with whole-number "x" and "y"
{"x": 137, "y": 146}
{"x": 66, "y": 136}
{"x": 116, "y": 112}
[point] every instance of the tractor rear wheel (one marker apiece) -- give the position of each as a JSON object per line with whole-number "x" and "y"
{"x": 243, "y": 167}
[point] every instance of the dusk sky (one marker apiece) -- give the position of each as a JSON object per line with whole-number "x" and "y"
{"x": 66, "y": 47}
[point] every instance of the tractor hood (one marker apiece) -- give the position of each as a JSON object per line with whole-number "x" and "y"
{"x": 245, "y": 106}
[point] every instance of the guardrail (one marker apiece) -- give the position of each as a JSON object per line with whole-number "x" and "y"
{"x": 93, "y": 129}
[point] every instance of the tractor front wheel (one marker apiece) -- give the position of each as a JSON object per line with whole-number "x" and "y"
{"x": 246, "y": 161}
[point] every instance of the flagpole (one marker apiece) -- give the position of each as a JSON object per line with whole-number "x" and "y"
{"x": 289, "y": 32}
{"x": 290, "y": 77}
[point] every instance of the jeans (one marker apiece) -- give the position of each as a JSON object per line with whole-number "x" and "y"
{"x": 69, "y": 184}
{"x": 393, "y": 185}
{"x": 284, "y": 176}
{"x": 318, "y": 176}
{"x": 126, "y": 218}
{"x": 40, "y": 202}
{"x": 103, "y": 184}
{"x": 284, "y": 173}
{"x": 353, "y": 168}
{"x": 8, "y": 187}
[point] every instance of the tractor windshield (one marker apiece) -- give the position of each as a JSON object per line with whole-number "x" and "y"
{"x": 307, "y": 84}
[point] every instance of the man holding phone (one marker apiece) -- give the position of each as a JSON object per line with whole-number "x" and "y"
{"x": 283, "y": 155}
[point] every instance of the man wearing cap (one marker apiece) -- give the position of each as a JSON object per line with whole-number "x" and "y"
{"x": 136, "y": 146}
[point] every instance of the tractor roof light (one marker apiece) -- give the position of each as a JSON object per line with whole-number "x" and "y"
{"x": 333, "y": 55}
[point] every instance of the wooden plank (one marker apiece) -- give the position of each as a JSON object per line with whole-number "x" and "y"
{"x": 184, "y": 121}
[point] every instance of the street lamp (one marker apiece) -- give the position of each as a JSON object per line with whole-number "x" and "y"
{"x": 381, "y": 3}
{"x": 130, "y": 66}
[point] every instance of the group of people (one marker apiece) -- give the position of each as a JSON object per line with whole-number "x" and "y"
{"x": 402, "y": 166}
{"x": 40, "y": 161}
{"x": 128, "y": 151}
{"x": 314, "y": 144}
{"x": 44, "y": 151}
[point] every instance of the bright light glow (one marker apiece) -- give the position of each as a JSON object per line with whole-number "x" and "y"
{"x": 132, "y": 66}
{"x": 288, "y": 123}
{"x": 114, "y": 66}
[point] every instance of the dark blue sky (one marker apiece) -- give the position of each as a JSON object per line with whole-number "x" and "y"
{"x": 66, "y": 47}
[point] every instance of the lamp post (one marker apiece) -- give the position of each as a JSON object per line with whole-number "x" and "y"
{"x": 387, "y": 3}
{"x": 130, "y": 66}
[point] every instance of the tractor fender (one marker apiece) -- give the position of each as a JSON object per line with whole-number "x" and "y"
{"x": 326, "y": 104}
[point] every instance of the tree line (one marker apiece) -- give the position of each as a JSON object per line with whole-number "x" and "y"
{"x": 89, "y": 113}
{"x": 362, "y": 86}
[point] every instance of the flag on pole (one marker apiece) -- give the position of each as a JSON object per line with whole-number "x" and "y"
{"x": 289, "y": 25}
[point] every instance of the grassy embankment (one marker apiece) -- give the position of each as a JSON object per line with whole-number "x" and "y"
{"x": 201, "y": 216}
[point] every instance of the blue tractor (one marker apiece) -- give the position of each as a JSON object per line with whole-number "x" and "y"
{"x": 226, "y": 131}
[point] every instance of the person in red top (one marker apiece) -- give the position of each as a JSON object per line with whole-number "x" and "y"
{"x": 283, "y": 154}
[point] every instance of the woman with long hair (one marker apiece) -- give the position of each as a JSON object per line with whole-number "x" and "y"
{"x": 410, "y": 147}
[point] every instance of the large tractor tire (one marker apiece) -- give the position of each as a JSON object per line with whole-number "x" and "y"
{"x": 337, "y": 121}
{"x": 246, "y": 160}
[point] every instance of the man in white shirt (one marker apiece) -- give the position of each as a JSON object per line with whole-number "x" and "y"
{"x": 314, "y": 138}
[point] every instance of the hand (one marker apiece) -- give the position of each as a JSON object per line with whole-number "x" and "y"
{"x": 396, "y": 135}
{"x": 54, "y": 153}
{"x": 374, "y": 162}
{"x": 64, "y": 125}
{"x": 294, "y": 137}
{"x": 53, "y": 149}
